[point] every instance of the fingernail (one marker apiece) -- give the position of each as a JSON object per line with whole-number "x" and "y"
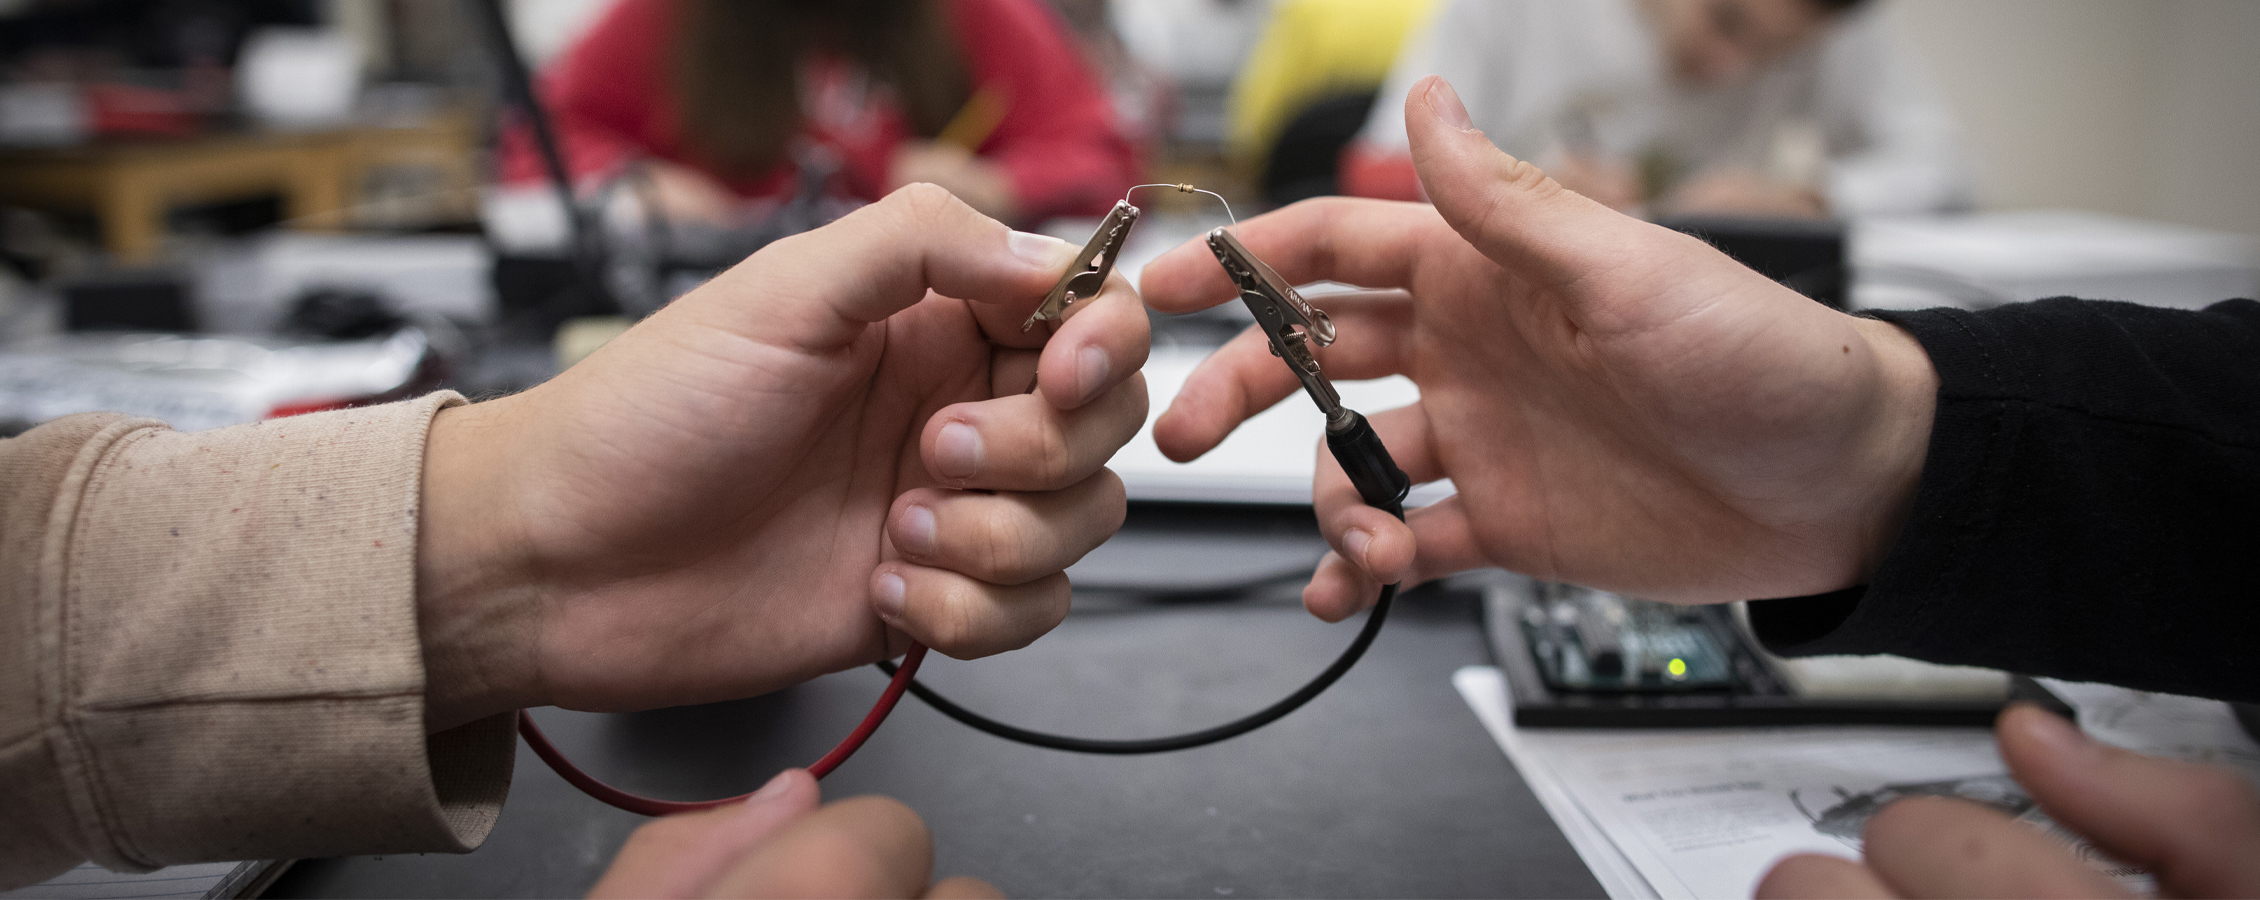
{"x": 1091, "y": 366}
{"x": 2056, "y": 733}
{"x": 1445, "y": 102}
{"x": 774, "y": 789}
{"x": 1040, "y": 250}
{"x": 958, "y": 451}
{"x": 889, "y": 597}
{"x": 916, "y": 535}
{"x": 1355, "y": 540}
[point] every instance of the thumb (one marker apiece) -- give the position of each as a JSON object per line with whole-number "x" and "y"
{"x": 1505, "y": 206}
{"x": 2197, "y": 826}
{"x": 815, "y": 291}
{"x": 682, "y": 855}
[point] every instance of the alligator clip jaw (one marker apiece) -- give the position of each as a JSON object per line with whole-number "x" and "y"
{"x": 1088, "y": 275}
{"x": 1291, "y": 324}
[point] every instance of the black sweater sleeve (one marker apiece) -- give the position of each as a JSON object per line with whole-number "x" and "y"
{"x": 2089, "y": 509}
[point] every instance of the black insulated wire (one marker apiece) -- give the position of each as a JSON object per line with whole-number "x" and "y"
{"x": 1226, "y": 731}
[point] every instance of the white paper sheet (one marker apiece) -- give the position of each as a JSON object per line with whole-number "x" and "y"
{"x": 1485, "y": 691}
{"x": 1686, "y": 813}
{"x": 1706, "y": 814}
{"x": 2184, "y": 728}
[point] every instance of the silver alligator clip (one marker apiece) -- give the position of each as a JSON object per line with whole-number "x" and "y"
{"x": 1292, "y": 324}
{"x": 1087, "y": 276}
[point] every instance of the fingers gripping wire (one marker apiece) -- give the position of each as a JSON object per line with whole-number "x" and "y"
{"x": 650, "y": 806}
{"x": 1087, "y": 275}
{"x": 1188, "y": 740}
{"x": 1292, "y": 325}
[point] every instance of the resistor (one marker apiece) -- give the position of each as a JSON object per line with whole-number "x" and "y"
{"x": 1187, "y": 188}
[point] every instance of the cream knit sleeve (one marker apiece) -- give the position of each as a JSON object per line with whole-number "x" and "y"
{"x": 208, "y": 647}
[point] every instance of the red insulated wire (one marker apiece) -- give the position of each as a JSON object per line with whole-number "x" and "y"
{"x": 648, "y": 806}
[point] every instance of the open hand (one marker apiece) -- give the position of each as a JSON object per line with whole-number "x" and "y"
{"x": 1619, "y": 405}
{"x": 821, "y": 455}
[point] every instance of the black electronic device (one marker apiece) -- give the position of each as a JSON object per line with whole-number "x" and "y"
{"x": 2247, "y": 715}
{"x": 1808, "y": 256}
{"x": 1577, "y": 657}
{"x": 128, "y": 302}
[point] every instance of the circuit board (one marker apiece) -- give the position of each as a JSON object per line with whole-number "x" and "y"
{"x": 1588, "y": 640}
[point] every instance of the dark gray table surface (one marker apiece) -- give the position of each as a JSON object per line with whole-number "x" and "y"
{"x": 1386, "y": 786}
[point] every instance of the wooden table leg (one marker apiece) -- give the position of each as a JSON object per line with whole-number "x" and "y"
{"x": 132, "y": 214}
{"x": 317, "y": 189}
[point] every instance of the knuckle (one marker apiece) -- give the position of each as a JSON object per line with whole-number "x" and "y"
{"x": 927, "y": 202}
{"x": 1037, "y": 608}
{"x": 1519, "y": 183}
{"x": 1520, "y": 175}
{"x": 1055, "y": 456}
{"x": 1325, "y": 211}
{"x": 1058, "y": 596}
{"x": 1113, "y": 494}
{"x": 1097, "y": 507}
{"x": 1005, "y": 552}
{"x": 1140, "y": 401}
{"x": 922, "y": 194}
{"x": 968, "y": 637}
{"x": 954, "y": 627}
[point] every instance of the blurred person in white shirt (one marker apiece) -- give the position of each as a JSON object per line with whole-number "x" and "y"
{"x": 1753, "y": 107}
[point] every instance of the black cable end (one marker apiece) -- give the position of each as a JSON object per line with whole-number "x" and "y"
{"x": 1367, "y": 461}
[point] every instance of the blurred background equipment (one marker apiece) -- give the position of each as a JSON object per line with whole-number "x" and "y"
{"x": 1810, "y": 256}
{"x": 1748, "y": 107}
{"x": 1308, "y": 87}
{"x": 292, "y": 78}
{"x": 1581, "y": 658}
{"x": 190, "y": 167}
{"x": 216, "y": 212}
{"x": 207, "y": 382}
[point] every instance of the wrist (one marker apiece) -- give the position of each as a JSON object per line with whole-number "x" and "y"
{"x": 477, "y": 598}
{"x": 1899, "y": 438}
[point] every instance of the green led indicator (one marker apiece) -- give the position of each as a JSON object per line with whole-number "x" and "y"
{"x": 1677, "y": 667}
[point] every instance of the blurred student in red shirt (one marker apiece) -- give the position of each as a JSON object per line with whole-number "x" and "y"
{"x": 718, "y": 97}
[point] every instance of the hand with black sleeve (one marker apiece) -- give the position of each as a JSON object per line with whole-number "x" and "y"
{"x": 2065, "y": 488}
{"x": 1619, "y": 405}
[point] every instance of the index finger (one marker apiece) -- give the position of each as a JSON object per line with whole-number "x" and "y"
{"x": 1370, "y": 243}
{"x": 1940, "y": 847}
{"x": 2196, "y": 825}
{"x": 1104, "y": 341}
{"x": 1245, "y": 376}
